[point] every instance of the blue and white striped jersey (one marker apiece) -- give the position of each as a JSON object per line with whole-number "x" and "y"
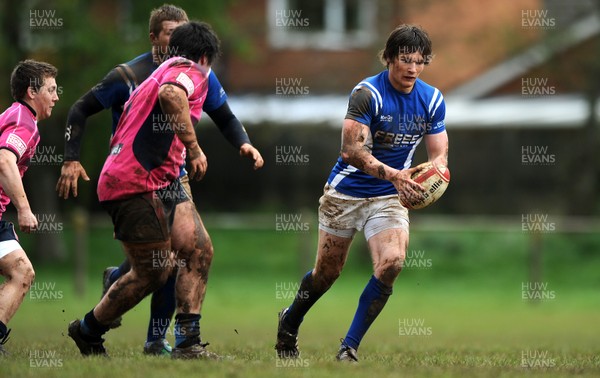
{"x": 397, "y": 121}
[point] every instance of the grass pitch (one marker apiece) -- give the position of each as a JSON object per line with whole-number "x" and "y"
{"x": 445, "y": 318}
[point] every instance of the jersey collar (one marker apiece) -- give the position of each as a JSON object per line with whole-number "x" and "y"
{"x": 28, "y": 107}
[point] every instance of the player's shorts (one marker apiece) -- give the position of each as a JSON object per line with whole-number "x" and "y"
{"x": 342, "y": 215}
{"x": 146, "y": 217}
{"x": 9, "y": 241}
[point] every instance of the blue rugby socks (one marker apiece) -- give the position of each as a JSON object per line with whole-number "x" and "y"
{"x": 370, "y": 304}
{"x": 121, "y": 270}
{"x": 306, "y": 297}
{"x": 187, "y": 330}
{"x": 162, "y": 308}
{"x": 91, "y": 328}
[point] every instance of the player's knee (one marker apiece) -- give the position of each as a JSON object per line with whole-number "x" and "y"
{"x": 23, "y": 274}
{"x": 324, "y": 278}
{"x": 390, "y": 268}
{"x": 155, "y": 278}
{"x": 206, "y": 251}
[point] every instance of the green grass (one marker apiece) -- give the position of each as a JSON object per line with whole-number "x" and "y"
{"x": 468, "y": 303}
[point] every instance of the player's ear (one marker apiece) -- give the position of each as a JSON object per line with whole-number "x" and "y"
{"x": 31, "y": 92}
{"x": 153, "y": 38}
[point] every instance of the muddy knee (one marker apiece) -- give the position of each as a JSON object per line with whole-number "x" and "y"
{"x": 206, "y": 251}
{"x": 23, "y": 274}
{"x": 155, "y": 278}
{"x": 324, "y": 278}
{"x": 389, "y": 269}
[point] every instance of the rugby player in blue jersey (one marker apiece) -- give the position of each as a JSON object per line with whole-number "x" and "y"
{"x": 388, "y": 115}
{"x": 112, "y": 92}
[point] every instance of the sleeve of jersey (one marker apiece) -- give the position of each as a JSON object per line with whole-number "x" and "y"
{"x": 360, "y": 106}
{"x": 15, "y": 139}
{"x": 193, "y": 82}
{"x": 437, "y": 113}
{"x": 111, "y": 90}
{"x": 216, "y": 96}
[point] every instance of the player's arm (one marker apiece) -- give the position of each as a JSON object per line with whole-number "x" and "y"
{"x": 437, "y": 147}
{"x": 111, "y": 90}
{"x": 72, "y": 169}
{"x": 233, "y": 130}
{"x": 355, "y": 152}
{"x": 10, "y": 180}
{"x": 174, "y": 103}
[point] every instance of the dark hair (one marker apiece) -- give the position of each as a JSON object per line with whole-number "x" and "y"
{"x": 165, "y": 12}
{"x": 29, "y": 73}
{"x": 194, "y": 40}
{"x": 406, "y": 39}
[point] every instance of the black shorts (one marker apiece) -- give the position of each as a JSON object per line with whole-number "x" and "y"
{"x": 146, "y": 217}
{"x": 7, "y": 231}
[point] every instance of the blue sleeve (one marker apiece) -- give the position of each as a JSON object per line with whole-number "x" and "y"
{"x": 216, "y": 96}
{"x": 111, "y": 91}
{"x": 437, "y": 114}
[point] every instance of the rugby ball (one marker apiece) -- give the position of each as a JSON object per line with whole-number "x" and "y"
{"x": 435, "y": 179}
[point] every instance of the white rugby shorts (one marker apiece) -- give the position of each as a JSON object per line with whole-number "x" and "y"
{"x": 8, "y": 239}
{"x": 342, "y": 215}
{"x": 8, "y": 246}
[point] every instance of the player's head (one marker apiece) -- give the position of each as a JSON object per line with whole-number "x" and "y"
{"x": 34, "y": 83}
{"x": 195, "y": 41}
{"x": 405, "y": 40}
{"x": 163, "y": 20}
{"x": 407, "y": 51}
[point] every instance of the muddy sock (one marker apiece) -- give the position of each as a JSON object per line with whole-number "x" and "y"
{"x": 370, "y": 304}
{"x": 121, "y": 270}
{"x": 162, "y": 308}
{"x": 187, "y": 330}
{"x": 306, "y": 297}
{"x": 91, "y": 329}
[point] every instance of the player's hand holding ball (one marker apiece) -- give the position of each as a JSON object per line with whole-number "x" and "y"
{"x": 407, "y": 188}
{"x": 434, "y": 178}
